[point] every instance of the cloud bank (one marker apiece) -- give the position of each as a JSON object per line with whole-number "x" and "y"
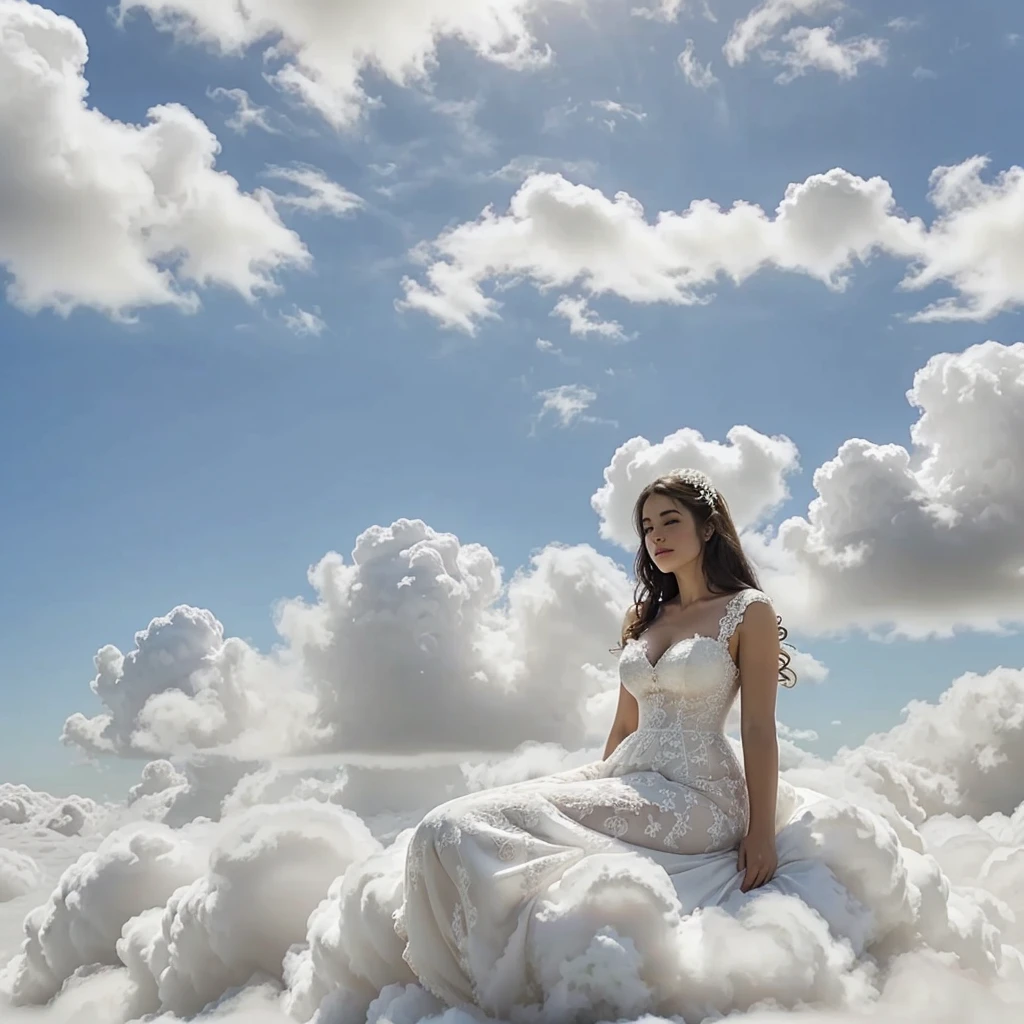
{"x": 556, "y": 234}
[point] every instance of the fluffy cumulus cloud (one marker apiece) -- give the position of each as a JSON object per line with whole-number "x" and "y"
{"x": 74, "y": 815}
{"x": 157, "y": 777}
{"x": 185, "y": 686}
{"x": 80, "y": 925}
{"x": 231, "y": 922}
{"x": 415, "y": 644}
{"x": 973, "y": 736}
{"x": 319, "y": 50}
{"x": 921, "y": 540}
{"x": 976, "y": 242}
{"x": 986, "y": 854}
{"x": 556, "y": 234}
{"x": 412, "y": 629}
{"x": 749, "y": 470}
{"x": 113, "y": 216}
{"x": 19, "y": 874}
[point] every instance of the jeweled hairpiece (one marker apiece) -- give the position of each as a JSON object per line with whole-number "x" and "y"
{"x": 700, "y": 481}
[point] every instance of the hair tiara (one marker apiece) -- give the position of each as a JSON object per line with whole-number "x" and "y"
{"x": 700, "y": 481}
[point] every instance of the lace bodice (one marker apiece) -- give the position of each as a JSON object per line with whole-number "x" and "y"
{"x": 684, "y": 699}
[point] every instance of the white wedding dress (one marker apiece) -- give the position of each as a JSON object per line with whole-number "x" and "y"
{"x": 673, "y": 791}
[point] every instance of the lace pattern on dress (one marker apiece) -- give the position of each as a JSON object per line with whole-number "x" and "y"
{"x": 735, "y": 610}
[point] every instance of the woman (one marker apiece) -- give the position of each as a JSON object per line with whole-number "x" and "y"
{"x": 670, "y": 787}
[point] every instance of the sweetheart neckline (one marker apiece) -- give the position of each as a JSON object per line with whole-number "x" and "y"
{"x": 722, "y": 644}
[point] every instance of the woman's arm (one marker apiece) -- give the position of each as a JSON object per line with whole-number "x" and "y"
{"x": 627, "y": 716}
{"x": 627, "y": 713}
{"x": 759, "y": 684}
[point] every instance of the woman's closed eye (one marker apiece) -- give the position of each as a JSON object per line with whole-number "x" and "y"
{"x": 669, "y": 522}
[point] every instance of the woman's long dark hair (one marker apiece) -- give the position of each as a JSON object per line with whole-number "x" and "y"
{"x": 726, "y": 568}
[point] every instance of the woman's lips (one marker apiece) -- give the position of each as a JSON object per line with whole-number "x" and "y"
{"x": 662, "y": 551}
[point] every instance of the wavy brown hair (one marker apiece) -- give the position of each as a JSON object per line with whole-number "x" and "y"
{"x": 726, "y": 568}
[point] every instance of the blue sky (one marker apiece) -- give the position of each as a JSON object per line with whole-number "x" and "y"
{"x": 209, "y": 458}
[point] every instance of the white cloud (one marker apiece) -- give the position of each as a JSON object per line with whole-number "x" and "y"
{"x": 396, "y": 640}
{"x": 816, "y": 49}
{"x": 353, "y": 954}
{"x": 230, "y": 923}
{"x": 749, "y": 471}
{"x": 583, "y": 320}
{"x": 700, "y": 76}
{"x": 975, "y": 244}
{"x": 134, "y": 869}
{"x": 808, "y": 48}
{"x": 528, "y": 761}
{"x": 322, "y": 194}
{"x": 185, "y": 687}
{"x": 210, "y": 779}
{"x": 973, "y": 735}
{"x": 797, "y": 735}
{"x": 924, "y": 540}
{"x": 617, "y": 112}
{"x": 247, "y": 114}
{"x": 303, "y": 323}
{"x": 157, "y": 777}
{"x": 568, "y": 402}
{"x": 110, "y": 215}
{"x": 670, "y": 10}
{"x": 521, "y": 167}
{"x": 807, "y": 667}
{"x": 19, "y": 874}
{"x": 663, "y": 10}
{"x": 556, "y": 234}
{"x": 319, "y": 49}
{"x": 750, "y": 33}
{"x": 74, "y": 815}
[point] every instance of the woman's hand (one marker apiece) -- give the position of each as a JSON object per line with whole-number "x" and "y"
{"x": 758, "y": 859}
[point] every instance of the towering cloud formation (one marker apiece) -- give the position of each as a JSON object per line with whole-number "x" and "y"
{"x": 395, "y": 642}
{"x": 925, "y": 539}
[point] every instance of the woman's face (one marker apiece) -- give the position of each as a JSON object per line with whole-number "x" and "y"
{"x": 670, "y": 533}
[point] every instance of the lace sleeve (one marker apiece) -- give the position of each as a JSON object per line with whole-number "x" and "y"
{"x": 735, "y": 610}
